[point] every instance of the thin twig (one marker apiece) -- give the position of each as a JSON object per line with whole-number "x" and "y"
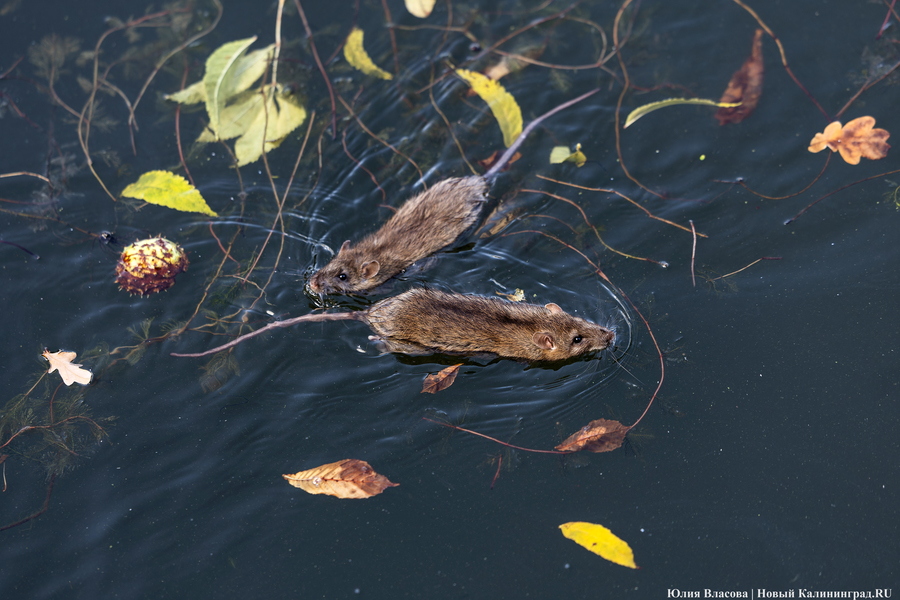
{"x": 693, "y": 252}
{"x": 487, "y": 437}
{"x": 747, "y": 267}
{"x": 312, "y": 45}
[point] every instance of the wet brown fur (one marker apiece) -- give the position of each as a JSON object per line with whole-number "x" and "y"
{"x": 426, "y": 223}
{"x": 421, "y": 321}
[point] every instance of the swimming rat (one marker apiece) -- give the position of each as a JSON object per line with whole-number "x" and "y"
{"x": 420, "y": 321}
{"x": 426, "y": 223}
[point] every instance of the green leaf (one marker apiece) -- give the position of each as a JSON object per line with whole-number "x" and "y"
{"x": 222, "y": 78}
{"x": 247, "y": 70}
{"x": 649, "y": 108}
{"x": 561, "y": 154}
{"x": 600, "y": 540}
{"x": 170, "y": 190}
{"x": 192, "y": 94}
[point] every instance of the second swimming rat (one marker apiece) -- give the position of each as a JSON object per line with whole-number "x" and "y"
{"x": 426, "y": 223}
{"x": 421, "y": 321}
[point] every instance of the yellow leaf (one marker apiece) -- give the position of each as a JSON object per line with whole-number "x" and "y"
{"x": 357, "y": 57}
{"x": 70, "y": 373}
{"x": 501, "y": 103}
{"x": 222, "y": 77}
{"x": 170, "y": 190}
{"x": 561, "y": 154}
{"x": 274, "y": 119}
{"x": 600, "y": 540}
{"x": 420, "y": 8}
{"x": 649, "y": 108}
{"x": 517, "y": 296}
{"x": 348, "y": 478}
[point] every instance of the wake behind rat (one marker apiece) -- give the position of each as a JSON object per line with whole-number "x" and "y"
{"x": 425, "y": 224}
{"x": 422, "y": 321}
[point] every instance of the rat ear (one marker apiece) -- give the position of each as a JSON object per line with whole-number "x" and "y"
{"x": 369, "y": 269}
{"x": 553, "y": 308}
{"x": 543, "y": 340}
{"x": 344, "y": 247}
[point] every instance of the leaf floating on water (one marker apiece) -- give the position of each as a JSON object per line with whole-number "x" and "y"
{"x": 601, "y": 435}
{"x": 745, "y": 86}
{"x": 490, "y": 161}
{"x": 222, "y": 77}
{"x": 348, "y": 478}
{"x": 518, "y": 296}
{"x": 600, "y": 540}
{"x": 170, "y": 190}
{"x": 649, "y": 108}
{"x": 272, "y": 121}
{"x": 420, "y": 8}
{"x": 501, "y": 103}
{"x": 561, "y": 154}
{"x": 436, "y": 382}
{"x": 358, "y": 58}
{"x": 69, "y": 371}
{"x": 854, "y": 140}
{"x": 247, "y": 70}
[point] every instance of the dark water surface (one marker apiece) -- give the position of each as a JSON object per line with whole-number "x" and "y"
{"x": 768, "y": 460}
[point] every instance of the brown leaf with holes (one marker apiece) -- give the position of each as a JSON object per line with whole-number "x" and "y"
{"x": 435, "y": 382}
{"x": 601, "y": 435}
{"x": 348, "y": 478}
{"x": 745, "y": 86}
{"x": 854, "y": 140}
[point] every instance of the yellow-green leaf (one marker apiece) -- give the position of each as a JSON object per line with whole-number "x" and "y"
{"x": 192, "y": 94}
{"x": 420, "y": 8}
{"x": 274, "y": 120}
{"x": 247, "y": 70}
{"x": 600, "y": 540}
{"x": 222, "y": 77}
{"x": 357, "y": 57}
{"x": 561, "y": 154}
{"x": 168, "y": 189}
{"x": 501, "y": 103}
{"x": 649, "y": 108}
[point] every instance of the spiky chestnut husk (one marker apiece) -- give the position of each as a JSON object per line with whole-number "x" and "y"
{"x": 150, "y": 266}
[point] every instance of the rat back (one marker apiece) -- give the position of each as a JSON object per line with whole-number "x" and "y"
{"x": 431, "y": 320}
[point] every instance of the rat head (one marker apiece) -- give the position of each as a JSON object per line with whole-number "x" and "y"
{"x": 348, "y": 272}
{"x": 565, "y": 336}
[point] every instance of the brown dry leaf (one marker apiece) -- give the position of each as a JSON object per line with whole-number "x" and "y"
{"x": 348, "y": 478}
{"x": 601, "y": 435}
{"x": 488, "y": 162}
{"x": 745, "y": 86}
{"x": 854, "y": 140}
{"x": 434, "y": 383}
{"x": 70, "y": 373}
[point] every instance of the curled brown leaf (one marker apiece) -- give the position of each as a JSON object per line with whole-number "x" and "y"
{"x": 435, "y": 382}
{"x": 745, "y": 86}
{"x": 601, "y": 435}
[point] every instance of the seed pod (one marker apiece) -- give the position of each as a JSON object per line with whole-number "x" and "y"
{"x": 149, "y": 266}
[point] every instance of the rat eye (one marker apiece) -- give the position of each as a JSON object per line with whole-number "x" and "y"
{"x": 577, "y": 339}
{"x": 342, "y": 277}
